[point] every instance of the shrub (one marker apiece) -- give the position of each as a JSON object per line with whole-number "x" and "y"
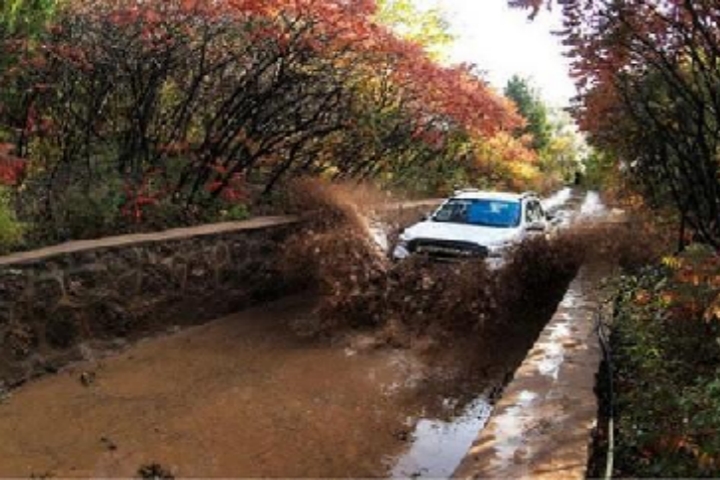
{"x": 667, "y": 376}
{"x": 11, "y": 231}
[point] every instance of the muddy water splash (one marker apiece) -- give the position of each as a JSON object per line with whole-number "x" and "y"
{"x": 416, "y": 301}
{"x": 474, "y": 312}
{"x": 439, "y": 444}
{"x": 592, "y": 205}
{"x": 557, "y": 200}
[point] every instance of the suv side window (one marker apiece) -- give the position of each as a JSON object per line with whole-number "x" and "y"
{"x": 533, "y": 212}
{"x": 530, "y": 215}
{"x": 539, "y": 214}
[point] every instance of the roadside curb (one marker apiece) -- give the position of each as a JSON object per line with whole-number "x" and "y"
{"x": 542, "y": 426}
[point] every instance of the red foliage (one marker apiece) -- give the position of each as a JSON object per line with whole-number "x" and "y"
{"x": 332, "y": 28}
{"x": 140, "y": 196}
{"x": 12, "y": 169}
{"x": 195, "y": 82}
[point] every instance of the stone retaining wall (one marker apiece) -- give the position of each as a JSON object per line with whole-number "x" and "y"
{"x": 57, "y": 302}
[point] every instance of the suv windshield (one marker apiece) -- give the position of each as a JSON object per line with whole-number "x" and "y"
{"x": 484, "y": 212}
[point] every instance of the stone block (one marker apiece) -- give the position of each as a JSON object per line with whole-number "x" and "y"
{"x": 62, "y": 329}
{"x": 109, "y": 319}
{"x": 20, "y": 340}
{"x": 48, "y": 290}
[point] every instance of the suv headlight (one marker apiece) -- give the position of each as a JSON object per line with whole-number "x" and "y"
{"x": 401, "y": 248}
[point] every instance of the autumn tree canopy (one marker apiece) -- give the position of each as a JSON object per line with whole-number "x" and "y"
{"x": 649, "y": 81}
{"x": 194, "y": 105}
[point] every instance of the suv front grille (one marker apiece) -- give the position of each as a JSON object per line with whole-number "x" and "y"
{"x": 447, "y": 248}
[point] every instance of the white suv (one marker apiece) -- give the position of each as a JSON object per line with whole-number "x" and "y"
{"x": 474, "y": 223}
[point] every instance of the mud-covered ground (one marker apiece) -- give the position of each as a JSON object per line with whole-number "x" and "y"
{"x": 254, "y": 395}
{"x": 240, "y": 396}
{"x": 243, "y": 395}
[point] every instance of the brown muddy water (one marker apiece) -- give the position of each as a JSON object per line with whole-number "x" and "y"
{"x": 241, "y": 396}
{"x": 246, "y": 396}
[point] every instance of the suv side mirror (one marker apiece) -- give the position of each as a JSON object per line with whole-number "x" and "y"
{"x": 553, "y": 219}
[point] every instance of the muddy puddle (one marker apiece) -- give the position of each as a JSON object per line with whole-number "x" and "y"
{"x": 246, "y": 396}
{"x": 240, "y": 396}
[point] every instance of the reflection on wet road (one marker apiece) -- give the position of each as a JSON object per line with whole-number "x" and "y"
{"x": 438, "y": 446}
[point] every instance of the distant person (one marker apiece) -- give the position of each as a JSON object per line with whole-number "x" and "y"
{"x": 578, "y": 178}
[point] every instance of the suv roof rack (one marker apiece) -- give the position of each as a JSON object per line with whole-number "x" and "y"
{"x": 529, "y": 193}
